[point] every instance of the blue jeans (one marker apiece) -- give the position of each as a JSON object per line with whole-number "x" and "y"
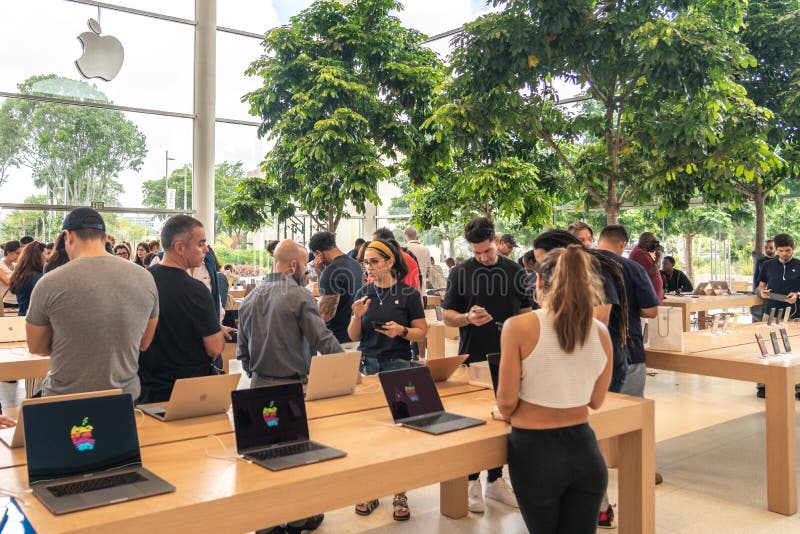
{"x": 634, "y": 380}
{"x": 618, "y": 375}
{"x": 373, "y": 366}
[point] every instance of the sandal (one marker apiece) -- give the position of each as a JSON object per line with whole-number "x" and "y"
{"x": 401, "y": 511}
{"x": 366, "y": 508}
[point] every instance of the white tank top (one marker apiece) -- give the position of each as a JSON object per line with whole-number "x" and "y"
{"x": 556, "y": 379}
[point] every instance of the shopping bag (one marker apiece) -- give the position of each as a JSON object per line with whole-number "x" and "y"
{"x": 665, "y": 330}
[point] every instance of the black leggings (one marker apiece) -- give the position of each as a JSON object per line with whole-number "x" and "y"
{"x": 559, "y": 478}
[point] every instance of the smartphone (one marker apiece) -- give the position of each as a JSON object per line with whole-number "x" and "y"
{"x": 439, "y": 313}
{"x": 771, "y": 317}
{"x": 714, "y": 320}
{"x": 761, "y": 345}
{"x": 378, "y": 325}
{"x": 785, "y": 337}
{"x": 478, "y": 310}
{"x": 735, "y": 321}
{"x": 774, "y": 338}
{"x": 787, "y": 312}
{"x": 723, "y": 323}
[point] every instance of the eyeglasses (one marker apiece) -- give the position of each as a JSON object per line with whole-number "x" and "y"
{"x": 371, "y": 263}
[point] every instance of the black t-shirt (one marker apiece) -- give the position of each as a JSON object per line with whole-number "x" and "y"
{"x": 343, "y": 277}
{"x": 499, "y": 288}
{"x": 640, "y": 293}
{"x": 400, "y": 303}
{"x": 186, "y": 315}
{"x": 783, "y": 278}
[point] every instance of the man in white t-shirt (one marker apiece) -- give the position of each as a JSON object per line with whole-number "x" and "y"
{"x": 421, "y": 252}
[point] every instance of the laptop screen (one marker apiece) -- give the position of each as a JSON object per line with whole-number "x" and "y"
{"x": 269, "y": 415}
{"x": 410, "y": 392}
{"x": 80, "y": 436}
{"x": 493, "y": 360}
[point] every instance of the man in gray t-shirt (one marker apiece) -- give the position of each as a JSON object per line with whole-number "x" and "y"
{"x": 92, "y": 315}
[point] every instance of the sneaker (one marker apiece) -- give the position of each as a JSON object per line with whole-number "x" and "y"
{"x": 606, "y": 519}
{"x": 475, "y": 494}
{"x": 500, "y": 490}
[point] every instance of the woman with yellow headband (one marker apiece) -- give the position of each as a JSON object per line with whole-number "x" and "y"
{"x": 387, "y": 316}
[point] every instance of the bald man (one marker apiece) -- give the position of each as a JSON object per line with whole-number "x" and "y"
{"x": 279, "y": 323}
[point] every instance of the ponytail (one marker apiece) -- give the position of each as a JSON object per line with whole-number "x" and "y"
{"x": 572, "y": 289}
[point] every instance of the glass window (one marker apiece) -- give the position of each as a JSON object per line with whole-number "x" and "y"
{"x": 258, "y": 16}
{"x": 157, "y": 71}
{"x": 118, "y": 152}
{"x": 234, "y": 55}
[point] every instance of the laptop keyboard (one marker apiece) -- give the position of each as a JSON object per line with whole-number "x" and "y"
{"x": 434, "y": 419}
{"x": 94, "y": 484}
{"x": 288, "y": 450}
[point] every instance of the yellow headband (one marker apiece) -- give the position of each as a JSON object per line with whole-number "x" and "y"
{"x": 377, "y": 245}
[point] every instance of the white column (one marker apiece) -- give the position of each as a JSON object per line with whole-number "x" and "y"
{"x": 205, "y": 70}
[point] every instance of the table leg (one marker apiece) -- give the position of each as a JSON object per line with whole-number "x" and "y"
{"x": 453, "y": 498}
{"x": 781, "y": 442}
{"x": 637, "y": 469}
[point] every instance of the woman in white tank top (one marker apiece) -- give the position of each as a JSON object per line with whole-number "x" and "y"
{"x": 556, "y": 364}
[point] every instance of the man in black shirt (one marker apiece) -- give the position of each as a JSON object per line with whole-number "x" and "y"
{"x": 340, "y": 276}
{"x": 481, "y": 292}
{"x": 188, "y": 337}
{"x": 674, "y": 280}
{"x": 757, "y": 312}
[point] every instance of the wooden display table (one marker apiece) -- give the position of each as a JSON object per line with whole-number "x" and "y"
{"x": 736, "y": 357}
{"x": 702, "y": 304}
{"x": 216, "y": 495}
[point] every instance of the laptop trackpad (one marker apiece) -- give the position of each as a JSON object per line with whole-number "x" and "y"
{"x": 112, "y": 495}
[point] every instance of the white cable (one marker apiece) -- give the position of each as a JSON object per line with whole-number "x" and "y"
{"x": 390, "y": 425}
{"x": 229, "y": 455}
{"x": 140, "y": 412}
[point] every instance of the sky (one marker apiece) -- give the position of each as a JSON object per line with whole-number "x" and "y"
{"x": 40, "y": 37}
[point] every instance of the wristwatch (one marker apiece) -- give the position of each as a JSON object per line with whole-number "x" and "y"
{"x": 405, "y": 331}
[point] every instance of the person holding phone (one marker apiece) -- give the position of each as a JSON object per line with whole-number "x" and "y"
{"x": 387, "y": 316}
{"x": 555, "y": 364}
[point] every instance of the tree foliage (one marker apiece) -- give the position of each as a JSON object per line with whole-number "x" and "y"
{"x": 662, "y": 74}
{"x": 75, "y": 152}
{"x": 346, "y": 88}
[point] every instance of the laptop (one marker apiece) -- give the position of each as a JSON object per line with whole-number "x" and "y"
{"x": 12, "y": 329}
{"x": 196, "y": 397}
{"x": 84, "y": 453}
{"x": 272, "y": 429}
{"x": 443, "y": 368}
{"x": 700, "y": 289}
{"x": 415, "y": 403}
{"x": 439, "y": 313}
{"x": 333, "y": 375}
{"x": 14, "y": 437}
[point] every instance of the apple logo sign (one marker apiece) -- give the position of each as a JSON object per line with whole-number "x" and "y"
{"x": 102, "y": 56}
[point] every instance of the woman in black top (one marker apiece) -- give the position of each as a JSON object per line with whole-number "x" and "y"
{"x": 142, "y": 250}
{"x": 387, "y": 316}
{"x": 29, "y": 271}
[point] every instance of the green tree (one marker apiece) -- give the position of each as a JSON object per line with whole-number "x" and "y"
{"x": 38, "y": 224}
{"x": 227, "y": 177}
{"x": 75, "y": 152}
{"x": 346, "y": 88}
{"x": 772, "y": 34}
{"x": 661, "y": 74}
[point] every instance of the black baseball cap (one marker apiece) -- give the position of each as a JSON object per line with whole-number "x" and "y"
{"x": 83, "y": 218}
{"x": 509, "y": 240}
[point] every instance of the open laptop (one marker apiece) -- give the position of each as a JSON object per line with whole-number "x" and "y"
{"x": 333, "y": 375}
{"x": 272, "y": 429}
{"x": 84, "y": 453}
{"x": 12, "y": 329}
{"x": 700, "y": 289}
{"x": 14, "y": 437}
{"x": 196, "y": 397}
{"x": 443, "y": 368}
{"x": 415, "y": 403}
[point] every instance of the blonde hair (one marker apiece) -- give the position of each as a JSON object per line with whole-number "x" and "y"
{"x": 572, "y": 287}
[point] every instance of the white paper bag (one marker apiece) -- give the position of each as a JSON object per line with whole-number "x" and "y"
{"x": 665, "y": 330}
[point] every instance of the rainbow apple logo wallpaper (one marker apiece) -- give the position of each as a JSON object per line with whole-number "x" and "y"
{"x": 102, "y": 56}
{"x": 270, "y": 414}
{"x": 411, "y": 392}
{"x": 82, "y": 436}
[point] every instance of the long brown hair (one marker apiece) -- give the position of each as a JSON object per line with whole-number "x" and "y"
{"x": 29, "y": 262}
{"x": 572, "y": 288}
